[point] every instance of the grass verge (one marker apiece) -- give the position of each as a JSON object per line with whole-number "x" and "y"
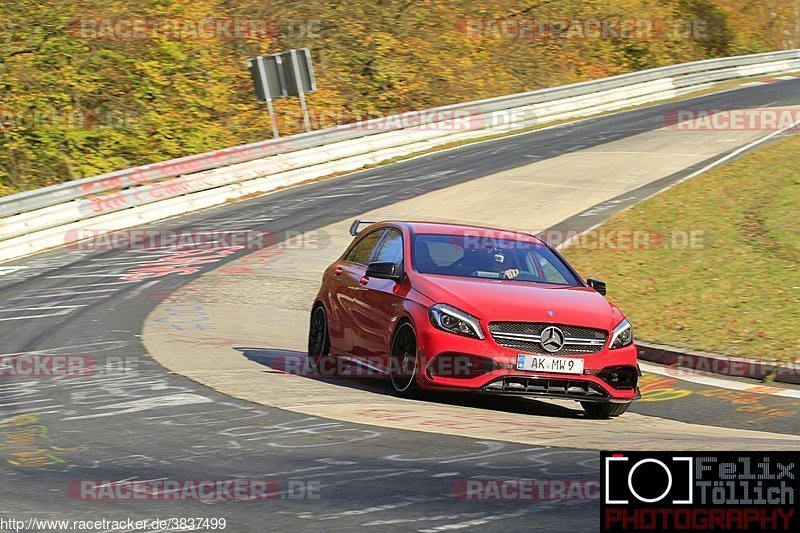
{"x": 736, "y": 289}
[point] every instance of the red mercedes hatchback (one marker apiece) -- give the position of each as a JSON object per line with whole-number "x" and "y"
{"x": 472, "y": 309}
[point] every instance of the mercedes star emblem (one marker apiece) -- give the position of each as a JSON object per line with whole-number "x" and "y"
{"x": 552, "y": 339}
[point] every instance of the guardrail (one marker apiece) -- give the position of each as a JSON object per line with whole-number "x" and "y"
{"x": 51, "y": 216}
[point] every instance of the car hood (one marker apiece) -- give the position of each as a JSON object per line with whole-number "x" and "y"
{"x": 508, "y": 300}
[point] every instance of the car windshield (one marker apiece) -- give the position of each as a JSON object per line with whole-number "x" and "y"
{"x": 477, "y": 256}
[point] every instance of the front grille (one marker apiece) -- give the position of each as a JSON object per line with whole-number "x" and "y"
{"x": 547, "y": 387}
{"x": 524, "y": 336}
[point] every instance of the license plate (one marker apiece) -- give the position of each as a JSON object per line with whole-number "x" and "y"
{"x": 561, "y": 365}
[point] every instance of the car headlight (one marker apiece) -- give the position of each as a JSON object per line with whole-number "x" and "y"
{"x": 622, "y": 335}
{"x": 448, "y": 318}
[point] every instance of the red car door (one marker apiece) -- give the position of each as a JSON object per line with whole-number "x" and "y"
{"x": 351, "y": 315}
{"x": 381, "y": 303}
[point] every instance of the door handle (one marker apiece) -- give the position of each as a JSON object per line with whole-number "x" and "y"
{"x": 338, "y": 271}
{"x": 364, "y": 280}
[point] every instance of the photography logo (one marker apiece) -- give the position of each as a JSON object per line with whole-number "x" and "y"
{"x": 699, "y": 491}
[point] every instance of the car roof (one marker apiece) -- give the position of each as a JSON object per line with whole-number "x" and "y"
{"x": 443, "y": 228}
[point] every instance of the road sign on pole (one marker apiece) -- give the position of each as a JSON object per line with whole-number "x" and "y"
{"x": 282, "y": 76}
{"x": 262, "y": 80}
{"x": 298, "y": 85}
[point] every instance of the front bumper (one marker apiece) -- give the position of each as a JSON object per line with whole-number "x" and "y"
{"x": 568, "y": 388}
{"x": 493, "y": 370}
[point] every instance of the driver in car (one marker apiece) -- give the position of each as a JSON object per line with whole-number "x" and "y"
{"x": 499, "y": 265}
{"x": 492, "y": 261}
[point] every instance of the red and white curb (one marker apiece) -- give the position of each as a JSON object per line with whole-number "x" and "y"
{"x": 710, "y": 381}
{"x": 771, "y": 80}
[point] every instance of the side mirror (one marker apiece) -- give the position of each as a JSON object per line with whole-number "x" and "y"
{"x": 597, "y": 285}
{"x": 383, "y": 270}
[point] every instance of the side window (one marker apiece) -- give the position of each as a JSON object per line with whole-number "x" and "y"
{"x": 392, "y": 248}
{"x": 362, "y": 251}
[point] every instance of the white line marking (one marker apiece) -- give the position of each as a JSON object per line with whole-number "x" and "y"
{"x": 115, "y": 260}
{"x": 735, "y": 153}
{"x": 138, "y": 290}
{"x": 344, "y": 195}
{"x": 85, "y": 276}
{"x": 14, "y": 309}
{"x": 151, "y": 259}
{"x": 10, "y": 269}
{"x": 71, "y": 349}
{"x": 61, "y": 294}
{"x": 581, "y": 187}
{"x": 471, "y": 523}
{"x": 26, "y": 402}
{"x": 144, "y": 404}
{"x": 35, "y": 316}
{"x": 81, "y": 286}
{"x": 58, "y": 302}
{"x": 612, "y": 152}
{"x": 66, "y": 309}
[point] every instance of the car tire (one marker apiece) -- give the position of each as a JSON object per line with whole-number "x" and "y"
{"x": 403, "y": 362}
{"x": 319, "y": 344}
{"x": 602, "y": 410}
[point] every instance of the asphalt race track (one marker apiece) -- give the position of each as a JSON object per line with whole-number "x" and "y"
{"x": 142, "y": 422}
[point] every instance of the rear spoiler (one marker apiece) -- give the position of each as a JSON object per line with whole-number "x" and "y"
{"x": 356, "y": 224}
